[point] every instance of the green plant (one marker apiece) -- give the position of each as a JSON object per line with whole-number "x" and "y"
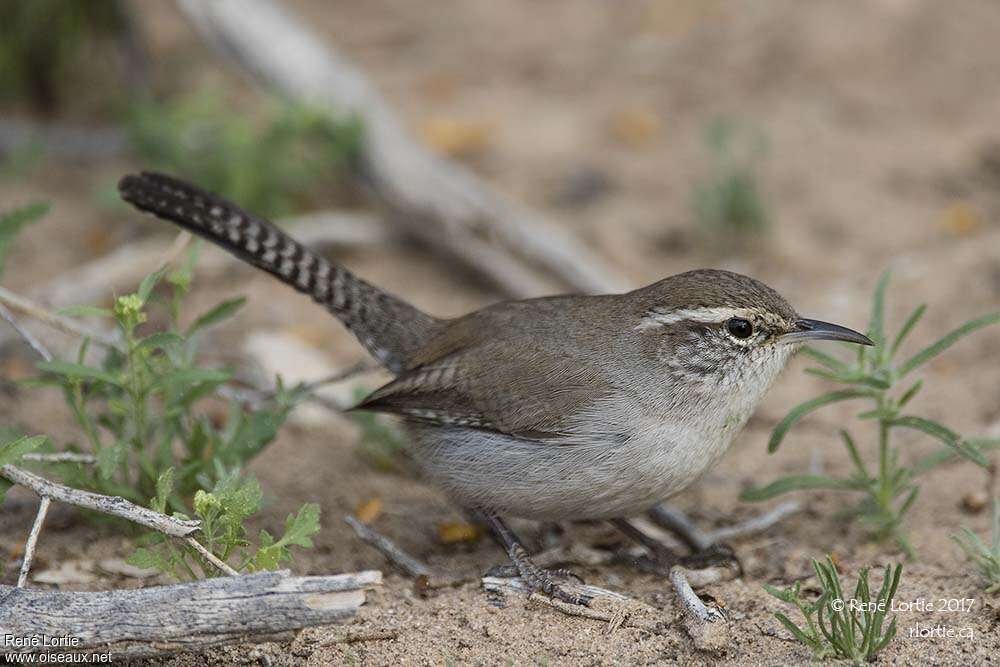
{"x": 728, "y": 205}
{"x": 267, "y": 164}
{"x": 223, "y": 513}
{"x": 986, "y": 558}
{"x": 137, "y": 409}
{"x": 837, "y": 627}
{"x": 877, "y": 376}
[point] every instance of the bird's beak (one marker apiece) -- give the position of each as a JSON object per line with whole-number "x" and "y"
{"x": 817, "y": 330}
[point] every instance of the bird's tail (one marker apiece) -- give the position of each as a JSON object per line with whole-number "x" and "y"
{"x": 388, "y": 327}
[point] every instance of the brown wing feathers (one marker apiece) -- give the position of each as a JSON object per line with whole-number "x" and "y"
{"x": 389, "y": 328}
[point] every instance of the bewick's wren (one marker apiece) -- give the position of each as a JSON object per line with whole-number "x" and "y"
{"x": 565, "y": 407}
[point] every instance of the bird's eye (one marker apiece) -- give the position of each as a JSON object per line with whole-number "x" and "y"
{"x": 739, "y": 327}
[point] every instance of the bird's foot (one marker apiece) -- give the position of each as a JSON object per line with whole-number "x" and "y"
{"x": 540, "y": 580}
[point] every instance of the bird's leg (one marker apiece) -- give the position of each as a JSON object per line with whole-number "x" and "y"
{"x": 535, "y": 577}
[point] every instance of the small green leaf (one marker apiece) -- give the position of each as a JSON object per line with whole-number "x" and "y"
{"x": 799, "y": 483}
{"x": 161, "y": 340}
{"x": 794, "y": 629}
{"x": 186, "y": 377}
{"x": 181, "y": 278}
{"x": 299, "y": 528}
{"x": 910, "y": 393}
{"x": 150, "y": 558}
{"x": 110, "y": 458}
{"x": 911, "y": 322}
{"x": 852, "y": 450}
{"x": 83, "y": 310}
{"x": 944, "y": 434}
{"x": 876, "y": 329}
{"x": 801, "y": 410}
{"x": 164, "y": 487}
{"x": 78, "y": 371}
{"x": 147, "y": 285}
{"x": 221, "y": 312}
{"x": 831, "y": 362}
{"x": 13, "y": 450}
{"x": 946, "y": 341}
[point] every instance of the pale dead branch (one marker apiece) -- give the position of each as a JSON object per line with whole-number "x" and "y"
{"x": 672, "y": 519}
{"x": 183, "y": 617}
{"x": 111, "y": 505}
{"x": 29, "y": 546}
{"x": 61, "y": 457}
{"x": 409, "y": 565}
{"x": 439, "y": 201}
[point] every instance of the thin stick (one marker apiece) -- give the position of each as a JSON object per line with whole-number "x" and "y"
{"x": 210, "y": 557}
{"x": 113, "y": 505}
{"x": 60, "y": 457}
{"x": 674, "y": 520}
{"x": 28, "y": 337}
{"x": 29, "y": 546}
{"x": 756, "y": 524}
{"x": 65, "y": 324}
{"x": 404, "y": 561}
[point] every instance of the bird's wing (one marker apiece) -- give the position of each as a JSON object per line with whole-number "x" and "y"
{"x": 508, "y": 386}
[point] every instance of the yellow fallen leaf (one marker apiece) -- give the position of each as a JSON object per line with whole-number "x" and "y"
{"x": 456, "y": 137}
{"x": 369, "y": 510}
{"x": 635, "y": 127}
{"x": 454, "y": 533}
{"x": 960, "y": 219}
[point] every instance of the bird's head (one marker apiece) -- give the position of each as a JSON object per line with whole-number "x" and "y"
{"x": 716, "y": 329}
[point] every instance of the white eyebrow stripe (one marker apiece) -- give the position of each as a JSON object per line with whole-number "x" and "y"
{"x": 655, "y": 319}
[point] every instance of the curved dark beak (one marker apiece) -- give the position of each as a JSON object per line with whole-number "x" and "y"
{"x": 817, "y": 330}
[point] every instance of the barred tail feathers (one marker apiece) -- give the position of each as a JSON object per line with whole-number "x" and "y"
{"x": 388, "y": 327}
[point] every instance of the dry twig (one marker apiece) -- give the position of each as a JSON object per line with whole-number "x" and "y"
{"x": 29, "y": 546}
{"x": 404, "y": 561}
{"x": 674, "y": 520}
{"x": 64, "y": 324}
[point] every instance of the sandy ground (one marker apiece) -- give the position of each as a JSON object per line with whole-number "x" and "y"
{"x": 881, "y": 119}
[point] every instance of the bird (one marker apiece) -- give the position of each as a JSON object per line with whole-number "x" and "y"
{"x": 554, "y": 408}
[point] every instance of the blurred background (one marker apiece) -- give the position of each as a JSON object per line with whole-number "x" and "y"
{"x": 810, "y": 145}
{"x": 462, "y": 152}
